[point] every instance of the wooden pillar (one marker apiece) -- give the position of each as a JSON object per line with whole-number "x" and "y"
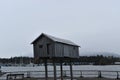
{"x": 46, "y": 71}
{"x": 54, "y": 65}
{"x": 71, "y": 71}
{"x": 117, "y": 75}
{"x": 61, "y": 70}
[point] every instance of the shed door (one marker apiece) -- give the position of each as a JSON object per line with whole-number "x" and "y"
{"x": 48, "y": 49}
{"x": 41, "y": 54}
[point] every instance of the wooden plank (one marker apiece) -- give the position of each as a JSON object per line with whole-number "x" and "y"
{"x": 54, "y": 65}
{"x": 71, "y": 71}
{"x": 61, "y": 69}
{"x": 46, "y": 71}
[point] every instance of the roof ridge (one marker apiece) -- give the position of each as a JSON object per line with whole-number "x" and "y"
{"x": 60, "y": 40}
{"x": 56, "y": 39}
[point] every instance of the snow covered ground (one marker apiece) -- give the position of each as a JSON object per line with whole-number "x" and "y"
{"x": 76, "y": 67}
{"x": 38, "y": 71}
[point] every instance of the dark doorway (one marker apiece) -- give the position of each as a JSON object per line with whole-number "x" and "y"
{"x": 48, "y": 49}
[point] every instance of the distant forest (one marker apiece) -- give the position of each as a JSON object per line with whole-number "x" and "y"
{"x": 94, "y": 60}
{"x": 99, "y": 59}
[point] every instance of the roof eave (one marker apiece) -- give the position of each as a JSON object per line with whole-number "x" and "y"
{"x": 68, "y": 44}
{"x": 39, "y": 37}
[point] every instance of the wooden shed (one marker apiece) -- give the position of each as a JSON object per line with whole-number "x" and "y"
{"x": 49, "y": 46}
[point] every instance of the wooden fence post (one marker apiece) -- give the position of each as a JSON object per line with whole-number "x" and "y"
{"x": 99, "y": 74}
{"x": 117, "y": 75}
{"x": 28, "y": 74}
{"x": 81, "y": 74}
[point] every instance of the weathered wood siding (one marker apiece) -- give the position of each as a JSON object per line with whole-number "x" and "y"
{"x": 45, "y": 47}
{"x": 40, "y": 47}
{"x": 71, "y": 51}
{"x": 64, "y": 50}
{"x": 59, "y": 50}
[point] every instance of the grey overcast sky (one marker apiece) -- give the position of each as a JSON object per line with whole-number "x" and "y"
{"x": 92, "y": 24}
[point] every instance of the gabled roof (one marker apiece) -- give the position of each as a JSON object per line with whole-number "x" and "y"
{"x": 55, "y": 39}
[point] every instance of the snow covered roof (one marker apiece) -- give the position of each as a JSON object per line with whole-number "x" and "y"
{"x": 55, "y": 39}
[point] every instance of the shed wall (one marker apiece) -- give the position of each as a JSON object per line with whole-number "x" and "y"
{"x": 59, "y": 50}
{"x": 40, "y": 47}
{"x": 64, "y": 50}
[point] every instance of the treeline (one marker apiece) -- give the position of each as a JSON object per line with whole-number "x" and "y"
{"x": 99, "y": 60}
{"x": 17, "y": 60}
{"x": 95, "y": 60}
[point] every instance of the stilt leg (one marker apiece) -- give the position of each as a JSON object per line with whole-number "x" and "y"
{"x": 71, "y": 71}
{"x": 61, "y": 69}
{"x": 46, "y": 71}
{"x": 54, "y": 64}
